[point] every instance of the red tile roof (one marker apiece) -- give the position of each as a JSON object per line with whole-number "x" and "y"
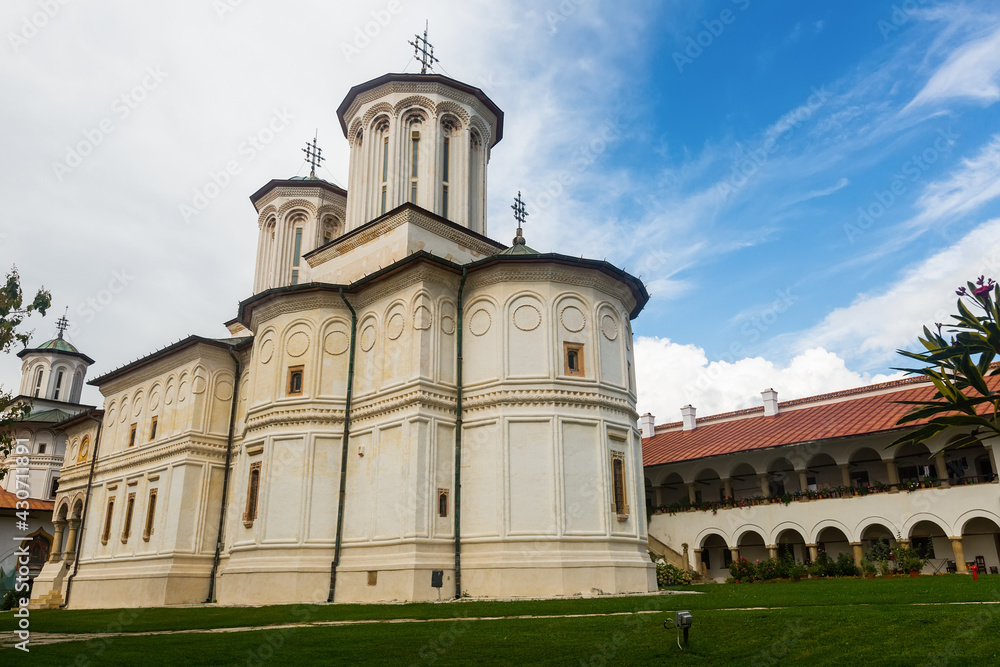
{"x": 838, "y": 415}
{"x": 9, "y": 501}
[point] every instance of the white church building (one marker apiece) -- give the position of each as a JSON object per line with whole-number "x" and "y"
{"x": 405, "y": 408}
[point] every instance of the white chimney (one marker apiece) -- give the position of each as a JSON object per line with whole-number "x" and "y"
{"x": 770, "y": 402}
{"x": 687, "y": 414}
{"x": 647, "y": 424}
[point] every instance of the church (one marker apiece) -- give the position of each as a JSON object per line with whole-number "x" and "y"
{"x": 405, "y": 408}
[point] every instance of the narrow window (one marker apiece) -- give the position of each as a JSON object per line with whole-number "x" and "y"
{"x": 41, "y": 448}
{"x": 253, "y": 489}
{"x": 295, "y": 276}
{"x": 295, "y": 380}
{"x": 298, "y": 247}
{"x": 55, "y": 488}
{"x": 150, "y": 515}
{"x": 38, "y": 382}
{"x": 442, "y": 502}
{"x": 107, "y": 520}
{"x": 131, "y": 435}
{"x": 129, "y": 508}
{"x": 152, "y": 429}
{"x": 385, "y": 170}
{"x": 59, "y": 379}
{"x": 445, "y": 160}
{"x": 573, "y": 359}
{"x": 619, "y": 500}
{"x": 415, "y": 151}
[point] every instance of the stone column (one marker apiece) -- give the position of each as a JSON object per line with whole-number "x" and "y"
{"x": 993, "y": 463}
{"x": 57, "y": 542}
{"x": 69, "y": 553}
{"x": 687, "y": 561}
{"x": 904, "y": 542}
{"x": 845, "y": 475}
{"x": 813, "y": 553}
{"x": 691, "y": 495}
{"x": 858, "y": 552}
{"x": 959, "y": 550}
{"x": 735, "y": 553}
{"x": 727, "y": 487}
{"x": 765, "y": 489}
{"x": 699, "y": 565}
{"x": 893, "y": 472}
{"x": 803, "y": 480}
{"x": 941, "y": 469}
{"x": 772, "y": 550}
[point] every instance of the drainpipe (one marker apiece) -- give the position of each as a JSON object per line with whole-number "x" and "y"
{"x": 225, "y": 478}
{"x": 86, "y": 509}
{"x": 458, "y": 442}
{"x": 343, "y": 452}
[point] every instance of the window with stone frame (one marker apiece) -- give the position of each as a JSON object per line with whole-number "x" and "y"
{"x": 619, "y": 485}
{"x": 129, "y": 511}
{"x": 573, "y": 359}
{"x": 150, "y": 515}
{"x": 253, "y": 491}
{"x": 295, "y": 375}
{"x": 108, "y": 515}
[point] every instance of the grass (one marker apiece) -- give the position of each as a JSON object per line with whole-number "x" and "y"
{"x": 819, "y": 621}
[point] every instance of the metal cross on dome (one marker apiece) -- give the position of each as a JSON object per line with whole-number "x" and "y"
{"x": 314, "y": 155}
{"x": 423, "y": 51}
{"x": 62, "y": 323}
{"x": 519, "y": 214}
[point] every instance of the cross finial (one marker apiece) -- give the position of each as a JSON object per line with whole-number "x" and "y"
{"x": 62, "y": 323}
{"x": 519, "y": 214}
{"x": 423, "y": 51}
{"x": 314, "y": 155}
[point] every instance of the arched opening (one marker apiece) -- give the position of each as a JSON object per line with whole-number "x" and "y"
{"x": 743, "y": 480}
{"x": 866, "y": 467}
{"x": 708, "y": 486}
{"x": 932, "y": 543}
{"x": 673, "y": 490}
{"x": 913, "y": 461}
{"x": 752, "y": 546}
{"x": 781, "y": 478}
{"x": 981, "y": 543}
{"x": 822, "y": 473}
{"x": 833, "y": 542}
{"x": 650, "y": 496}
{"x": 968, "y": 462}
{"x": 791, "y": 544}
{"x": 715, "y": 557}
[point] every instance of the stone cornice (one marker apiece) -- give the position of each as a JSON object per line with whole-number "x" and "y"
{"x": 413, "y": 275}
{"x": 579, "y": 277}
{"x": 144, "y": 458}
{"x": 169, "y": 362}
{"x": 549, "y": 397}
{"x": 294, "y": 303}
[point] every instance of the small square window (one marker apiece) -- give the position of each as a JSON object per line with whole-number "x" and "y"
{"x": 131, "y": 435}
{"x": 152, "y": 429}
{"x": 573, "y": 359}
{"x": 295, "y": 380}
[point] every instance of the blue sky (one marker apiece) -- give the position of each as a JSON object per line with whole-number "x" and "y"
{"x": 721, "y": 149}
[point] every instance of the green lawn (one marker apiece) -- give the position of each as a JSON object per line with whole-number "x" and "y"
{"x": 822, "y": 622}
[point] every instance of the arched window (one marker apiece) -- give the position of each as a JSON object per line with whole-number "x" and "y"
{"x": 59, "y": 381}
{"x": 296, "y": 255}
{"x": 414, "y": 123}
{"x": 475, "y": 178}
{"x": 38, "y": 381}
{"x": 448, "y": 127}
{"x": 382, "y": 146}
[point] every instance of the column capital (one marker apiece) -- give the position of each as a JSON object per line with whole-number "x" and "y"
{"x": 810, "y": 545}
{"x": 855, "y": 544}
{"x": 956, "y": 539}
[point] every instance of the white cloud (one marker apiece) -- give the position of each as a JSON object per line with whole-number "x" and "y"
{"x": 877, "y": 324}
{"x": 972, "y": 71}
{"x": 975, "y": 183}
{"x": 670, "y": 375}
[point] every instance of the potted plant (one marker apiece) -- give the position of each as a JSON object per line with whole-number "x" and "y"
{"x": 868, "y": 567}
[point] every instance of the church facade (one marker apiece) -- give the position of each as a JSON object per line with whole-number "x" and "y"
{"x": 405, "y": 409}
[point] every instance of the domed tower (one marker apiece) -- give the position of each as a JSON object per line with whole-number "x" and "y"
{"x": 54, "y": 370}
{"x": 419, "y": 138}
{"x": 295, "y": 216}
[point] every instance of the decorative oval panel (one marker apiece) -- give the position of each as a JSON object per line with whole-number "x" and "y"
{"x": 480, "y": 322}
{"x": 422, "y": 318}
{"x": 224, "y": 390}
{"x": 154, "y": 400}
{"x": 266, "y": 351}
{"x": 368, "y": 338}
{"x": 527, "y": 318}
{"x": 199, "y": 384}
{"x": 297, "y": 344}
{"x": 448, "y": 324}
{"x": 336, "y": 342}
{"x": 609, "y": 327}
{"x": 394, "y": 328}
{"x": 573, "y": 319}
{"x": 123, "y": 411}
